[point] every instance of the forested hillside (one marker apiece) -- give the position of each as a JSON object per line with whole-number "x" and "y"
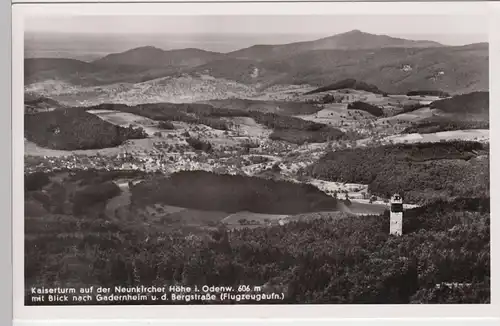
{"x": 348, "y": 84}
{"x": 395, "y": 70}
{"x": 443, "y": 256}
{"x": 438, "y": 124}
{"x": 226, "y": 193}
{"x": 475, "y": 103}
{"x": 420, "y": 172}
{"x": 72, "y": 129}
{"x": 465, "y": 111}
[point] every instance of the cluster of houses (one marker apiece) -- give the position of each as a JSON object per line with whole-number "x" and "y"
{"x": 147, "y": 162}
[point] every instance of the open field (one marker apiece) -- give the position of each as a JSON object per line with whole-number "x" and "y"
{"x": 413, "y": 116}
{"x": 248, "y": 127}
{"x": 253, "y": 218}
{"x": 330, "y": 113}
{"x": 124, "y": 119}
{"x": 360, "y": 208}
{"x": 481, "y": 135}
{"x": 134, "y": 145}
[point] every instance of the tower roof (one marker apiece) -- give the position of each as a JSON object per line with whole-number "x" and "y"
{"x": 397, "y": 197}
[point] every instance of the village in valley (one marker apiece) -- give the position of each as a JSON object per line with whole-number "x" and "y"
{"x": 167, "y": 151}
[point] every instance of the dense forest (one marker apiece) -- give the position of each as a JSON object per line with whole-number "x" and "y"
{"x": 326, "y": 99}
{"x": 437, "y": 124}
{"x": 82, "y": 193}
{"x": 167, "y": 125}
{"x": 73, "y": 129}
{"x": 348, "y": 84}
{"x": 296, "y": 130}
{"x": 476, "y": 103}
{"x": 362, "y": 106}
{"x": 35, "y": 104}
{"x": 421, "y": 172}
{"x": 231, "y": 193}
{"x": 199, "y": 145}
{"x": 428, "y": 93}
{"x": 442, "y": 257}
{"x": 93, "y": 194}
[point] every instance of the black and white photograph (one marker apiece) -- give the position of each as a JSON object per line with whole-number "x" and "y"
{"x": 256, "y": 159}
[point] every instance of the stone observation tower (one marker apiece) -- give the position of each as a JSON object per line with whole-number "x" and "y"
{"x": 396, "y": 222}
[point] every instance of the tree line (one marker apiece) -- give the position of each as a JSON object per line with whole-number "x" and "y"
{"x": 437, "y": 125}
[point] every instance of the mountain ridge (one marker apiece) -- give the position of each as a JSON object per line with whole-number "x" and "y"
{"x": 151, "y": 56}
{"x": 352, "y": 40}
{"x": 452, "y": 69}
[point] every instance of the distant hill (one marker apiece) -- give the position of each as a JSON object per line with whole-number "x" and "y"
{"x": 449, "y": 69}
{"x": 353, "y": 40}
{"x": 348, "y": 83}
{"x": 55, "y": 68}
{"x": 243, "y": 70}
{"x": 89, "y": 74}
{"x": 395, "y": 70}
{"x": 150, "y": 56}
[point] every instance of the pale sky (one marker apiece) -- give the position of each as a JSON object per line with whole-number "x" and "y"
{"x": 445, "y": 29}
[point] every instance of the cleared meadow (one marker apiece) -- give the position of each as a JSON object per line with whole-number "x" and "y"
{"x": 253, "y": 218}
{"x": 481, "y": 135}
{"x": 124, "y": 119}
